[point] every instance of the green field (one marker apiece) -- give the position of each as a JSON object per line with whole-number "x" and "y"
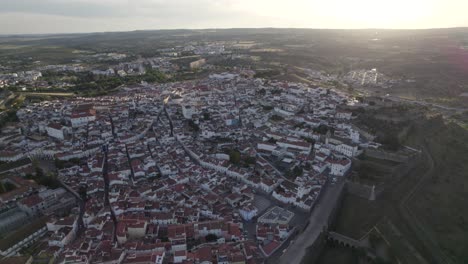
{"x": 440, "y": 202}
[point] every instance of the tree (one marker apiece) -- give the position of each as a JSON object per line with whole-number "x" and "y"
{"x": 6, "y": 187}
{"x": 82, "y": 191}
{"x": 10, "y": 116}
{"x": 276, "y": 91}
{"x": 276, "y": 118}
{"x": 391, "y": 142}
{"x": 39, "y": 172}
{"x": 267, "y": 107}
{"x": 59, "y": 164}
{"x": 194, "y": 126}
{"x": 309, "y": 140}
{"x": 322, "y": 129}
{"x": 297, "y": 171}
{"x": 234, "y": 156}
{"x": 211, "y": 238}
{"x": 250, "y": 160}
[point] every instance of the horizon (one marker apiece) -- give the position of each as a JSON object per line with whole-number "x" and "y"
{"x": 25, "y": 17}
{"x": 227, "y": 28}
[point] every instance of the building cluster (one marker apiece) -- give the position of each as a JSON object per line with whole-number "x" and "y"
{"x": 173, "y": 172}
{"x": 109, "y": 56}
{"x": 208, "y": 49}
{"x": 197, "y": 48}
{"x": 138, "y": 67}
{"x": 64, "y": 68}
{"x": 369, "y": 78}
{"x": 21, "y": 76}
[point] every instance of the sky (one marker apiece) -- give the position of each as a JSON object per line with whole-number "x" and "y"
{"x": 72, "y": 16}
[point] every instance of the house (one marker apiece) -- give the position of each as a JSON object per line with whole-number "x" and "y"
{"x": 343, "y": 115}
{"x": 339, "y": 167}
{"x": 137, "y": 229}
{"x": 55, "y": 130}
{"x": 343, "y": 146}
{"x": 32, "y": 205}
{"x": 144, "y": 258}
{"x": 82, "y": 115}
{"x": 248, "y": 212}
{"x": 180, "y": 256}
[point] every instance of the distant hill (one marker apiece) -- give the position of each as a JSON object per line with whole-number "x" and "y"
{"x": 435, "y": 60}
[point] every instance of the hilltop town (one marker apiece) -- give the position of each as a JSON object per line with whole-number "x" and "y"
{"x": 222, "y": 169}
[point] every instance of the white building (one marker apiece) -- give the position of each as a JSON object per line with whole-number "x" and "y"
{"x": 340, "y": 167}
{"x": 248, "y": 212}
{"x": 345, "y": 148}
{"x": 188, "y": 111}
{"x": 343, "y": 115}
{"x": 55, "y": 130}
{"x": 80, "y": 119}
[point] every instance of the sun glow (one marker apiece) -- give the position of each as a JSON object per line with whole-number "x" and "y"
{"x": 396, "y": 13}
{"x": 349, "y": 13}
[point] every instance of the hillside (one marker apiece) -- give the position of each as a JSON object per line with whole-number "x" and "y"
{"x": 421, "y": 214}
{"x": 439, "y": 203}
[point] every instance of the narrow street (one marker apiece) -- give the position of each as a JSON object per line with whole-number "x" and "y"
{"x": 81, "y": 205}
{"x": 105, "y": 175}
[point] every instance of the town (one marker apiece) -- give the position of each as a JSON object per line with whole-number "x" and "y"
{"x": 223, "y": 169}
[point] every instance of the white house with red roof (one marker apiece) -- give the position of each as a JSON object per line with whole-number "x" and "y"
{"x": 248, "y": 212}
{"x": 80, "y": 118}
{"x": 339, "y": 167}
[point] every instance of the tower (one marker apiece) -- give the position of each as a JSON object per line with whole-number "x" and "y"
{"x": 372, "y": 194}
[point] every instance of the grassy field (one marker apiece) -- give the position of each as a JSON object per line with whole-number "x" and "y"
{"x": 336, "y": 255}
{"x": 440, "y": 202}
{"x": 422, "y": 215}
{"x": 464, "y": 125}
{"x": 357, "y": 216}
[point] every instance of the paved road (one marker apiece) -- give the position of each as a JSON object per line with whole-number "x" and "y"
{"x": 318, "y": 220}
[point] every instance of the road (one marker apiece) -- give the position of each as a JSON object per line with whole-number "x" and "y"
{"x": 51, "y": 94}
{"x": 317, "y": 221}
{"x": 423, "y": 103}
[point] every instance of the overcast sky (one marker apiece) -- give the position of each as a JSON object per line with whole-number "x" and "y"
{"x": 63, "y": 16}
